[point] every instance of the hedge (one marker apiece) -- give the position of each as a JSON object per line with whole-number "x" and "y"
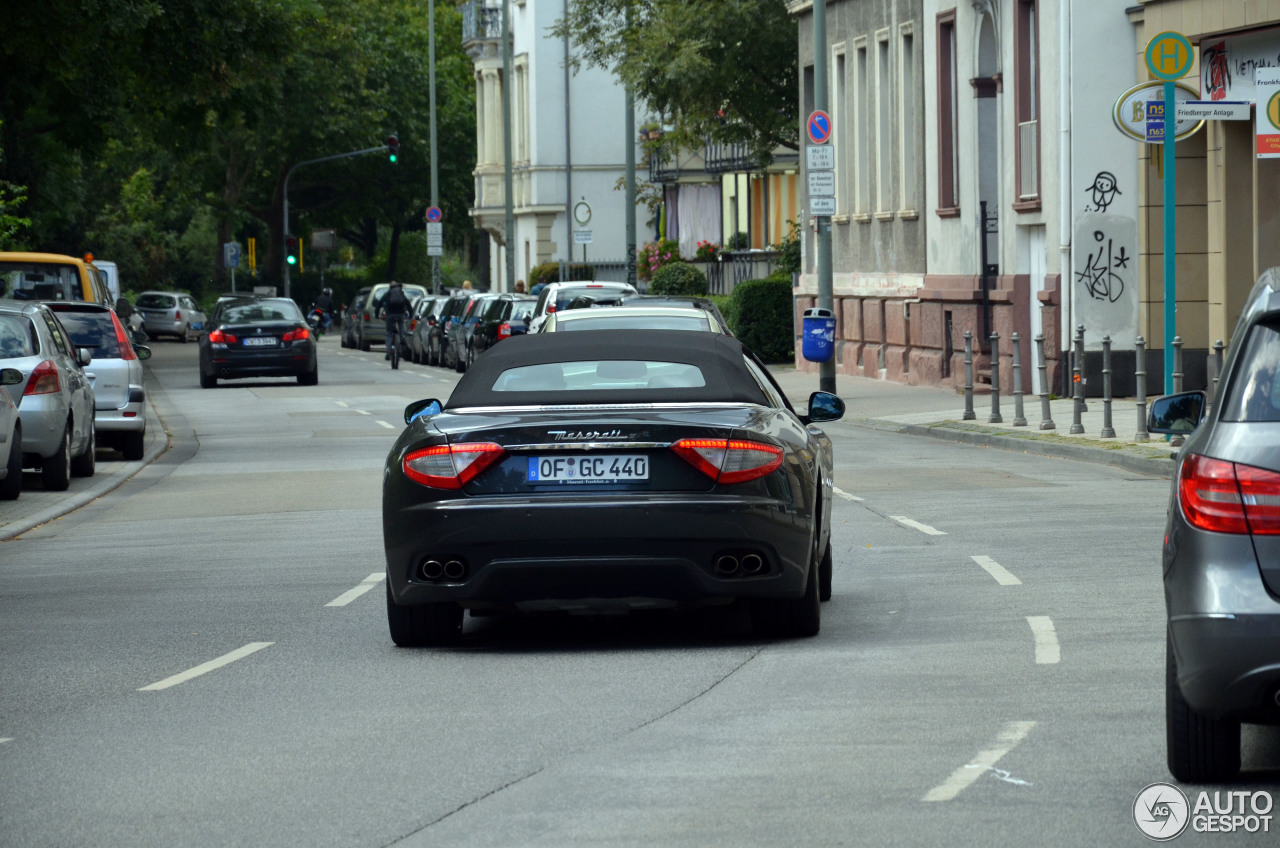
{"x": 549, "y": 272}
{"x": 678, "y": 278}
{"x": 764, "y": 317}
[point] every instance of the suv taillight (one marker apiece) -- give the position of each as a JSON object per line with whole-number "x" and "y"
{"x": 504, "y": 331}
{"x": 1227, "y": 497}
{"x": 450, "y": 466}
{"x": 729, "y": 460}
{"x": 44, "y": 380}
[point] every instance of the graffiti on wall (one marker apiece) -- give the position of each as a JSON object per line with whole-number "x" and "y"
{"x": 1104, "y": 276}
{"x": 1100, "y": 274}
{"x": 1102, "y": 192}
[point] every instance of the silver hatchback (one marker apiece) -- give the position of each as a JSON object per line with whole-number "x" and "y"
{"x": 169, "y": 313}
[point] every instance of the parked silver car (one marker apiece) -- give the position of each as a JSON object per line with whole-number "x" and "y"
{"x": 10, "y": 436}
{"x": 120, "y": 399}
{"x": 1221, "y": 559}
{"x": 58, "y": 434}
{"x": 169, "y": 313}
{"x": 557, "y": 296}
{"x": 372, "y": 328}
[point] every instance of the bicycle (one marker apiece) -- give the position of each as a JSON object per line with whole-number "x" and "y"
{"x": 393, "y": 342}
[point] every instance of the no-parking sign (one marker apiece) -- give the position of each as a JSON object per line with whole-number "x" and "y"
{"x": 819, "y": 127}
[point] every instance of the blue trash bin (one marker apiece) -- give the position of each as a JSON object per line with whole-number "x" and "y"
{"x": 819, "y": 329}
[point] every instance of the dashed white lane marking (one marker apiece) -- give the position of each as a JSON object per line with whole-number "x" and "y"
{"x": 1047, "y": 650}
{"x": 360, "y": 411}
{"x": 923, "y": 528}
{"x": 205, "y": 668}
{"x": 388, "y": 426}
{"x": 342, "y": 403}
{"x": 1012, "y": 733}
{"x": 351, "y": 594}
{"x": 996, "y": 570}
{"x": 846, "y": 495}
{"x": 6, "y": 739}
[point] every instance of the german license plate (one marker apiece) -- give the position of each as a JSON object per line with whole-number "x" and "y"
{"x": 588, "y": 469}
{"x": 260, "y": 341}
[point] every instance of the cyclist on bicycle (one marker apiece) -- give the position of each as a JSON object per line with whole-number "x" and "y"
{"x": 394, "y": 307}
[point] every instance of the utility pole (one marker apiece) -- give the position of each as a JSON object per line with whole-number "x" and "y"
{"x": 826, "y": 297}
{"x": 629, "y": 128}
{"x": 506, "y": 147}
{"x": 435, "y": 171}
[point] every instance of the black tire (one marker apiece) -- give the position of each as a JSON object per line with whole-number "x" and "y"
{"x": 133, "y": 445}
{"x": 460, "y": 363}
{"x": 423, "y": 625}
{"x": 433, "y": 354}
{"x": 86, "y": 463}
{"x": 393, "y": 350}
{"x": 11, "y": 485}
{"x": 55, "y": 472}
{"x": 207, "y": 382}
{"x": 471, "y": 356}
{"x": 363, "y": 345}
{"x": 1200, "y": 749}
{"x": 825, "y": 569}
{"x": 790, "y": 618}
{"x": 310, "y": 378}
{"x": 186, "y": 334}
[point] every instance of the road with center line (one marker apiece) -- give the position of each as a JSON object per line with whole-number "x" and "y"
{"x": 201, "y": 657}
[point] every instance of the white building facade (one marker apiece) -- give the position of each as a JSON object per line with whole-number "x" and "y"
{"x": 568, "y": 143}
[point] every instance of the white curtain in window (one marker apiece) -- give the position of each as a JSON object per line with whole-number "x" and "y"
{"x": 699, "y": 217}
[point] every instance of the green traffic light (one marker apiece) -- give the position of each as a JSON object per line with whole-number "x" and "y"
{"x": 393, "y": 158}
{"x": 292, "y": 260}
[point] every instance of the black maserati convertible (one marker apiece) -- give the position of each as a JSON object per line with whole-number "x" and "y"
{"x": 605, "y": 472}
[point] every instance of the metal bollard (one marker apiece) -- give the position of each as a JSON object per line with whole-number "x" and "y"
{"x": 1019, "y": 418}
{"x": 1078, "y": 395}
{"x": 1046, "y": 417}
{"x": 995, "y": 417}
{"x": 1108, "y": 432}
{"x": 1177, "y": 364}
{"x": 1140, "y": 347}
{"x": 1215, "y": 366}
{"x": 969, "y": 414}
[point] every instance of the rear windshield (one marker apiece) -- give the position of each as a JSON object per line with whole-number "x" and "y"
{"x": 599, "y": 294}
{"x": 248, "y": 313}
{"x": 600, "y": 375}
{"x": 1254, "y": 393}
{"x": 410, "y": 292}
{"x": 39, "y": 281}
{"x": 93, "y": 330}
{"x": 156, "y": 301}
{"x": 16, "y": 337}
{"x": 614, "y": 321}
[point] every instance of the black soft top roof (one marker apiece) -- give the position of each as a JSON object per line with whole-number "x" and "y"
{"x": 718, "y": 357}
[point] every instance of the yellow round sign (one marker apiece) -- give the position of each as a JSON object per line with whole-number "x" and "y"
{"x": 1273, "y": 110}
{"x": 1169, "y": 56}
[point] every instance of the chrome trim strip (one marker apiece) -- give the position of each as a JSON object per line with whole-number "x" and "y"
{"x": 592, "y": 407}
{"x": 1197, "y": 616}
{"x": 568, "y": 446}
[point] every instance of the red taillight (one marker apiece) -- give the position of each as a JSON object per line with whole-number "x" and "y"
{"x": 122, "y": 339}
{"x": 219, "y": 337}
{"x": 296, "y": 335}
{"x": 44, "y": 380}
{"x": 551, "y": 308}
{"x": 413, "y": 325}
{"x": 1226, "y": 497}
{"x": 450, "y": 466}
{"x": 504, "y": 331}
{"x": 366, "y": 316}
{"x": 729, "y": 460}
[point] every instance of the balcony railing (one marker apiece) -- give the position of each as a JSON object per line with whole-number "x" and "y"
{"x": 481, "y": 21}
{"x": 1029, "y": 160}
{"x": 728, "y": 158}
{"x": 664, "y": 165}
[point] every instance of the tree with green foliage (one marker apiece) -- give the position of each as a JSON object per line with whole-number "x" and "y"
{"x": 713, "y": 69}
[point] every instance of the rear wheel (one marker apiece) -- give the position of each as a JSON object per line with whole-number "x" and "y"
{"x": 55, "y": 473}
{"x": 788, "y": 618}
{"x": 460, "y": 362}
{"x": 11, "y": 485}
{"x": 310, "y": 378}
{"x": 1200, "y": 749}
{"x": 393, "y": 350}
{"x": 825, "y": 569}
{"x": 186, "y": 334}
{"x": 207, "y": 382}
{"x": 86, "y": 463}
{"x": 132, "y": 445}
{"x": 423, "y": 625}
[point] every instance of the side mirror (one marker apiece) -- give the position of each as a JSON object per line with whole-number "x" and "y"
{"x": 10, "y": 377}
{"x": 1174, "y": 414}
{"x": 142, "y": 351}
{"x": 824, "y": 406}
{"x": 421, "y": 409}
{"x": 83, "y": 356}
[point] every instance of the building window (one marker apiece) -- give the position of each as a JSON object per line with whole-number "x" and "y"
{"x": 907, "y": 157}
{"x": 862, "y": 133}
{"x": 841, "y": 124}
{"x": 884, "y": 127}
{"x": 1027, "y": 97}
{"x": 948, "y": 119}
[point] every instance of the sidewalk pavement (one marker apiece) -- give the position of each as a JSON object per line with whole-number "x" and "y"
{"x": 939, "y": 413}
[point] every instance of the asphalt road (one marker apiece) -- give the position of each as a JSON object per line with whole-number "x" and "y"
{"x": 201, "y": 658}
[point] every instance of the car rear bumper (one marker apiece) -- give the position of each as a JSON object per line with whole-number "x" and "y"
{"x": 576, "y": 554}
{"x": 1229, "y": 666}
{"x": 272, "y": 363}
{"x": 127, "y": 419}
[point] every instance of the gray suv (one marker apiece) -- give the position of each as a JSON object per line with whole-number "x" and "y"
{"x": 1222, "y": 551}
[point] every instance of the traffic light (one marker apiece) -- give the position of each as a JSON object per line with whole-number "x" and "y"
{"x": 393, "y": 148}
{"x": 291, "y": 250}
